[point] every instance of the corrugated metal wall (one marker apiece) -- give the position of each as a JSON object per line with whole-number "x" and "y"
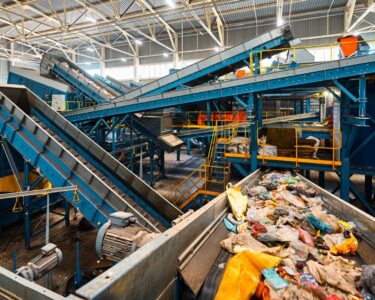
{"x": 196, "y": 45}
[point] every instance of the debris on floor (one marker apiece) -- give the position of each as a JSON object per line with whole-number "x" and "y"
{"x": 309, "y": 251}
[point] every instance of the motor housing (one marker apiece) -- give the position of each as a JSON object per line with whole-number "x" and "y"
{"x": 120, "y": 237}
{"x": 39, "y": 266}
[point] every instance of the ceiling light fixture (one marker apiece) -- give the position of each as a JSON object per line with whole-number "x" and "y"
{"x": 90, "y": 49}
{"x": 280, "y": 21}
{"x": 138, "y": 42}
{"x": 165, "y": 54}
{"x": 171, "y": 3}
{"x": 91, "y": 19}
{"x": 217, "y": 49}
{"x": 123, "y": 59}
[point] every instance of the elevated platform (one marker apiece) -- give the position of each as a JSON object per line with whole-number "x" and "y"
{"x": 206, "y": 131}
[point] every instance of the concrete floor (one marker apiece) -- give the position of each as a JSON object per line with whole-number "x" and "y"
{"x": 65, "y": 237}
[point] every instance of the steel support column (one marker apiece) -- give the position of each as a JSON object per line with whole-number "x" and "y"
{"x": 253, "y": 132}
{"x": 308, "y": 105}
{"x": 188, "y": 146}
{"x": 321, "y": 179}
{"x": 260, "y": 111}
{"x": 162, "y": 162}
{"x": 26, "y": 206}
{"x": 362, "y": 96}
{"x": 151, "y": 165}
{"x": 368, "y": 187}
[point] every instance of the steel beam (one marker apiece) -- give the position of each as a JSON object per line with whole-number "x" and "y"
{"x": 321, "y": 73}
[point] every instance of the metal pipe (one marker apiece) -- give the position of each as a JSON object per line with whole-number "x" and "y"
{"x": 38, "y": 192}
{"x": 182, "y": 217}
{"x": 47, "y": 220}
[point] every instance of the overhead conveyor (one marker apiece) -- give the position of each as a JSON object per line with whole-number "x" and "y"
{"x": 69, "y": 72}
{"x": 66, "y": 156}
{"x": 114, "y": 84}
{"x": 101, "y": 90}
{"x": 298, "y": 77}
{"x": 222, "y": 63}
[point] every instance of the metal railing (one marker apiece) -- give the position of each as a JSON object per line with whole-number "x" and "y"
{"x": 73, "y": 104}
{"x": 201, "y": 179}
{"x": 330, "y": 51}
{"x": 331, "y": 153}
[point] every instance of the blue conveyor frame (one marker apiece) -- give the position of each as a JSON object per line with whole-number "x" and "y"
{"x": 316, "y": 74}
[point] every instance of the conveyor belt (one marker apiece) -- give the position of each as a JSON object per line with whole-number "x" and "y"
{"x": 119, "y": 88}
{"x": 103, "y": 91}
{"x": 323, "y": 72}
{"x": 114, "y": 81}
{"x": 66, "y": 156}
{"x": 216, "y": 65}
{"x": 74, "y": 75}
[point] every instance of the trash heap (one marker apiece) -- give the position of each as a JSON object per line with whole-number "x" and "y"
{"x": 287, "y": 246}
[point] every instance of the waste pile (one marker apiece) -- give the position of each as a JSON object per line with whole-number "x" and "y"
{"x": 79, "y": 75}
{"x": 240, "y": 145}
{"x": 286, "y": 245}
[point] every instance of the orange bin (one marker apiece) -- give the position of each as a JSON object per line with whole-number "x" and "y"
{"x": 348, "y": 45}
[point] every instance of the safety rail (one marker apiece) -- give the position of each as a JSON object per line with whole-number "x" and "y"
{"x": 198, "y": 119}
{"x": 264, "y": 67}
{"x": 202, "y": 178}
{"x": 331, "y": 153}
{"x": 199, "y": 180}
{"x": 73, "y": 104}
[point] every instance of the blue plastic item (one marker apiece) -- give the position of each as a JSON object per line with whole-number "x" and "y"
{"x": 319, "y": 224}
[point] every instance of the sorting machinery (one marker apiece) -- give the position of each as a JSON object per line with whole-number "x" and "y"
{"x": 160, "y": 257}
{"x": 349, "y": 72}
{"x": 66, "y": 156}
{"x": 101, "y": 90}
{"x": 190, "y": 249}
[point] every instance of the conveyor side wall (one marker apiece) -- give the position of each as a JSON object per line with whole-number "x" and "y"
{"x": 217, "y": 65}
{"x": 316, "y": 74}
{"x": 160, "y": 257}
{"x": 54, "y": 161}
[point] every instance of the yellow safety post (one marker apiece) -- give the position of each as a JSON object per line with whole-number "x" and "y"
{"x": 17, "y": 207}
{"x": 76, "y": 200}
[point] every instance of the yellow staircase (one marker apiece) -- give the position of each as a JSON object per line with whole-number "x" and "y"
{"x": 210, "y": 178}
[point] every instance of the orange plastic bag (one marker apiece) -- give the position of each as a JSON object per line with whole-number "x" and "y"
{"x": 242, "y": 275}
{"x": 350, "y": 245}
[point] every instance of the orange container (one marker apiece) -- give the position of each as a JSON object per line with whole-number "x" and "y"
{"x": 348, "y": 45}
{"x": 241, "y": 74}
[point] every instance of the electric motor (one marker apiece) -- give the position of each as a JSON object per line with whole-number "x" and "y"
{"x": 120, "y": 237}
{"x": 39, "y": 266}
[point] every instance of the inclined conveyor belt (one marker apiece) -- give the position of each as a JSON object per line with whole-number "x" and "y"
{"x": 66, "y": 156}
{"x": 222, "y": 63}
{"x": 318, "y": 73}
{"x": 69, "y": 72}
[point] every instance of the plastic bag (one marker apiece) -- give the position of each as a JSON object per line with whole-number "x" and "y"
{"x": 242, "y": 275}
{"x": 319, "y": 224}
{"x": 237, "y": 203}
{"x": 350, "y": 245}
